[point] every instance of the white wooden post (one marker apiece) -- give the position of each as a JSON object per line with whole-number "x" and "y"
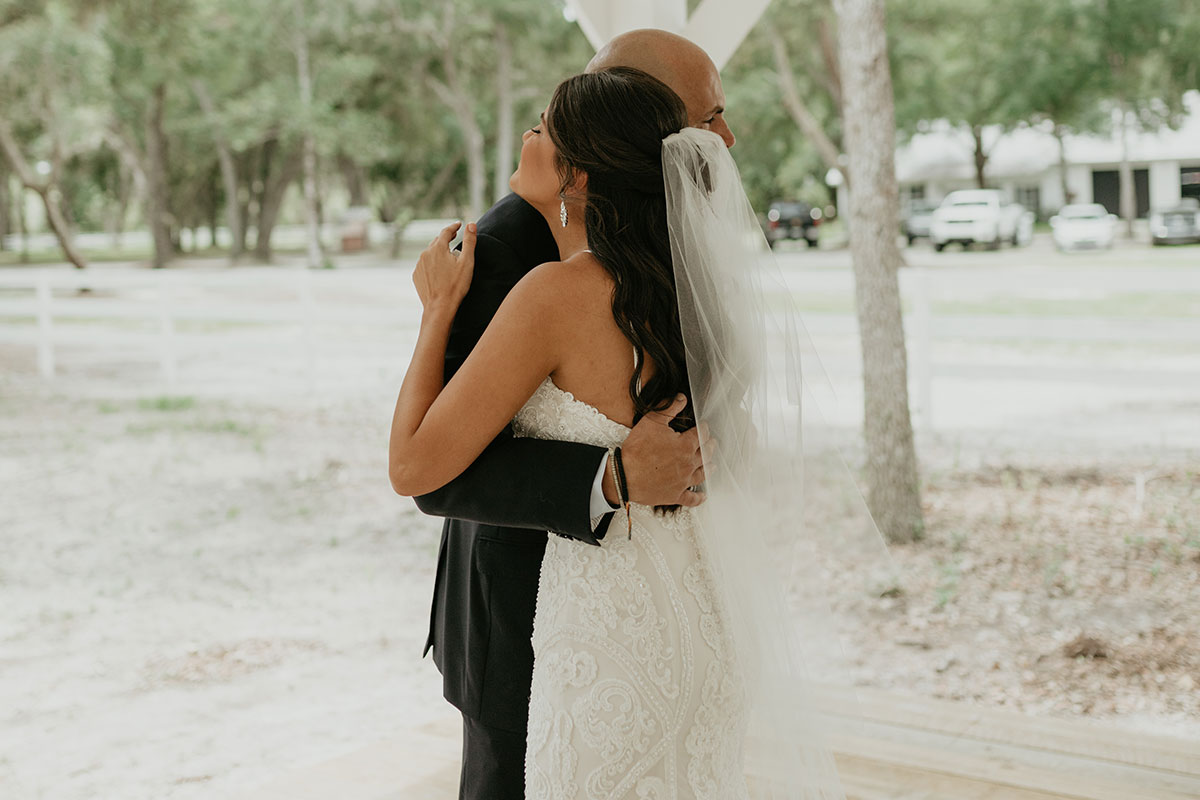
{"x": 601, "y": 20}
{"x": 166, "y": 333}
{"x": 308, "y": 312}
{"x": 45, "y": 348}
{"x": 718, "y": 26}
{"x": 922, "y": 345}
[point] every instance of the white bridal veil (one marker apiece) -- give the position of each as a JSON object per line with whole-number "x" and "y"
{"x": 784, "y": 523}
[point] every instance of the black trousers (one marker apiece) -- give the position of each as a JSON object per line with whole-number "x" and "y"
{"x": 493, "y": 763}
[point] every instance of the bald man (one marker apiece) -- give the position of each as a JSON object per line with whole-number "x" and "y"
{"x": 678, "y": 63}
{"x": 499, "y": 510}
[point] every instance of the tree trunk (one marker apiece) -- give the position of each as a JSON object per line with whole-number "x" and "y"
{"x": 799, "y": 111}
{"x": 233, "y": 216}
{"x": 1128, "y": 198}
{"x": 115, "y": 222}
{"x": 5, "y": 207}
{"x": 158, "y": 214}
{"x": 1060, "y": 133}
{"x": 355, "y": 179}
{"x": 276, "y": 185}
{"x": 893, "y": 490}
{"x": 48, "y": 192}
{"x": 214, "y": 204}
{"x": 460, "y": 102}
{"x": 505, "y": 116}
{"x": 246, "y": 166}
{"x": 980, "y": 156}
{"x": 312, "y": 223}
{"x": 52, "y": 200}
{"x": 833, "y": 70}
{"x": 22, "y": 224}
{"x": 135, "y": 183}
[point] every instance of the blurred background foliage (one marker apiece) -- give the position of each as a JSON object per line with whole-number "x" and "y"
{"x": 189, "y": 114}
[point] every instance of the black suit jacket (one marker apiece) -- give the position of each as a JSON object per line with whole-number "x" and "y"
{"x": 499, "y": 510}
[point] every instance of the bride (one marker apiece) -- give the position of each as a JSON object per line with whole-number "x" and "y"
{"x": 664, "y": 661}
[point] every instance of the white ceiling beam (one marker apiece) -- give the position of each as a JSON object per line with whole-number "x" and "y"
{"x": 718, "y": 26}
{"x": 601, "y": 20}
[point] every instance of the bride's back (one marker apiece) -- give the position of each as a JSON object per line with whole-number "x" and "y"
{"x": 597, "y": 359}
{"x": 622, "y": 351}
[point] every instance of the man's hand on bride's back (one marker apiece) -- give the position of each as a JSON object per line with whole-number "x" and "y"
{"x": 660, "y": 464}
{"x": 442, "y": 276}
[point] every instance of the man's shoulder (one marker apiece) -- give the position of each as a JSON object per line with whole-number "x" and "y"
{"x": 508, "y": 214}
{"x": 521, "y": 228}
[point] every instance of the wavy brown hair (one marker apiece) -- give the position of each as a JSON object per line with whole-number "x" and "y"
{"x": 610, "y": 125}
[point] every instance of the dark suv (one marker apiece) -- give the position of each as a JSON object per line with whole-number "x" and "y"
{"x": 792, "y": 221}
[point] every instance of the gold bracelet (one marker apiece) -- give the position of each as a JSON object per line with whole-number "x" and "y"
{"x": 612, "y": 464}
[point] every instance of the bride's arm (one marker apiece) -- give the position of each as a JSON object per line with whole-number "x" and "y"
{"x": 438, "y": 432}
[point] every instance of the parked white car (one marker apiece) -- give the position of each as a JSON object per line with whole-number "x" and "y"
{"x": 981, "y": 216}
{"x": 1178, "y": 225}
{"x": 1083, "y": 225}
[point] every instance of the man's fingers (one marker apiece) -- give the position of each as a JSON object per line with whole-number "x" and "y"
{"x": 447, "y": 235}
{"x": 669, "y": 413}
{"x": 468, "y": 246}
{"x": 677, "y": 406}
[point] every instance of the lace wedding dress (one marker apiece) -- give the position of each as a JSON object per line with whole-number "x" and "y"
{"x": 636, "y": 691}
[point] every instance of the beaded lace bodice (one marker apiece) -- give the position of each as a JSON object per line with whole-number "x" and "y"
{"x": 635, "y": 693}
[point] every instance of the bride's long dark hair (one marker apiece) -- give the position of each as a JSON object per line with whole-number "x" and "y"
{"x": 610, "y": 125}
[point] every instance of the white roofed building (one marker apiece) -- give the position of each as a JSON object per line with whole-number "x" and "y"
{"x": 1024, "y": 163}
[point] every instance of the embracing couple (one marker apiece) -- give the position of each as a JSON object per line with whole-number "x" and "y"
{"x": 574, "y": 359}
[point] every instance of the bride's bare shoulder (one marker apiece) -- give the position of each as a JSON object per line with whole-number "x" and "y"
{"x": 565, "y": 285}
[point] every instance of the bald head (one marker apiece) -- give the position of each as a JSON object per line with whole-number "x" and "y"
{"x": 678, "y": 63}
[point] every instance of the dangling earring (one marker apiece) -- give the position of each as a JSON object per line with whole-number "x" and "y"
{"x": 562, "y": 212}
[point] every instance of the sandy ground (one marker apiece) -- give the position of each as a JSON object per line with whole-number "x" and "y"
{"x": 202, "y": 594}
{"x": 199, "y": 596}
{"x": 204, "y": 587}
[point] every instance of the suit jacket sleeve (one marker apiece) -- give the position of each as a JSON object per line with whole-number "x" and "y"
{"x": 536, "y": 484}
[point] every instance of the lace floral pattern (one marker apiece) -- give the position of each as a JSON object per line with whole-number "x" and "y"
{"x": 636, "y": 692}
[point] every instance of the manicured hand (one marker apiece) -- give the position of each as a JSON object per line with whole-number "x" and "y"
{"x": 660, "y": 464}
{"x": 442, "y": 276}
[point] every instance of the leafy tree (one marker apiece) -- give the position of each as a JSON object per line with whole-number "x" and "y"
{"x": 1142, "y": 69}
{"x": 961, "y": 61}
{"x": 1058, "y": 70}
{"x": 150, "y": 42}
{"x": 782, "y": 95}
{"x": 51, "y": 101}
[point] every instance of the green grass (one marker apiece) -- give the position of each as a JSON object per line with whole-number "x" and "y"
{"x": 167, "y": 403}
{"x": 11, "y": 258}
{"x": 225, "y": 426}
{"x": 108, "y": 254}
{"x": 187, "y": 425}
{"x": 947, "y": 587}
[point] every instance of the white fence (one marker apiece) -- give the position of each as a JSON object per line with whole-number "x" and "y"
{"x": 315, "y": 331}
{"x": 169, "y": 318}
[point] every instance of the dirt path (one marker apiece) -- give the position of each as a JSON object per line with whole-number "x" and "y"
{"x": 201, "y": 594}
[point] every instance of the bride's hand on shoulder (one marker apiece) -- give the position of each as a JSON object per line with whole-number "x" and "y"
{"x": 442, "y": 276}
